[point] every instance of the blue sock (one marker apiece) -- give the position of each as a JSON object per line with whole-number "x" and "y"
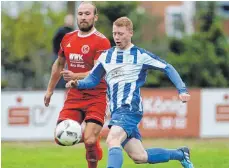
{"x": 176, "y": 154}
{"x": 115, "y": 158}
{"x": 159, "y": 155}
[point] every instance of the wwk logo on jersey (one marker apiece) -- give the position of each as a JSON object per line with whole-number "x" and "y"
{"x": 75, "y": 57}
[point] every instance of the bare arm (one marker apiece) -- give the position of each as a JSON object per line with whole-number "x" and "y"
{"x": 57, "y": 67}
{"x": 90, "y": 81}
{"x": 81, "y": 75}
{"x": 84, "y": 74}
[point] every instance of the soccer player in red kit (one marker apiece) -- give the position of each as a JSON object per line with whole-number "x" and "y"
{"x": 80, "y": 49}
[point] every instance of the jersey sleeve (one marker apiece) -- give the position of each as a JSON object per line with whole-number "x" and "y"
{"x": 152, "y": 61}
{"x": 93, "y": 78}
{"x": 103, "y": 45}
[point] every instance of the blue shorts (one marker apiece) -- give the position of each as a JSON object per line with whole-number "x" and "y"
{"x": 128, "y": 121}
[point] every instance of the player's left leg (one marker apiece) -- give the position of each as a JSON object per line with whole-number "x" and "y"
{"x": 139, "y": 155}
{"x": 186, "y": 163}
{"x": 136, "y": 151}
{"x": 160, "y": 155}
{"x": 94, "y": 119}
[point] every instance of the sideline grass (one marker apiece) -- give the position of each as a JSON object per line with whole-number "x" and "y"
{"x": 205, "y": 153}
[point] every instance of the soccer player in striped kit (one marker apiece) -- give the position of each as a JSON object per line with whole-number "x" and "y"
{"x": 125, "y": 69}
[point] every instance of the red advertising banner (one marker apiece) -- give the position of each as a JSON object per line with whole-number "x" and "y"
{"x": 166, "y": 116}
{"x": 222, "y": 110}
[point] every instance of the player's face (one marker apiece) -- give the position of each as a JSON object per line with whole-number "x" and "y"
{"x": 122, "y": 36}
{"x": 85, "y": 17}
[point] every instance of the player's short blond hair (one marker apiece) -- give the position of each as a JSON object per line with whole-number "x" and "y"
{"x": 124, "y": 22}
{"x": 91, "y": 3}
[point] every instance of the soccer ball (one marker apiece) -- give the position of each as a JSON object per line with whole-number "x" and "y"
{"x": 68, "y": 132}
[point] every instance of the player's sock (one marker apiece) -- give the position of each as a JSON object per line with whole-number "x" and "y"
{"x": 91, "y": 156}
{"x": 159, "y": 155}
{"x": 92, "y": 164}
{"x": 99, "y": 150}
{"x": 115, "y": 158}
{"x": 176, "y": 154}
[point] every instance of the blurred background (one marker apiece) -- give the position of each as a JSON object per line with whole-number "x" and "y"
{"x": 192, "y": 36}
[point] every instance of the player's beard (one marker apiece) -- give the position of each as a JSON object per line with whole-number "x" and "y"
{"x": 86, "y": 29}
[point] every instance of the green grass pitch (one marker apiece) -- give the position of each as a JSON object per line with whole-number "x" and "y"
{"x": 205, "y": 153}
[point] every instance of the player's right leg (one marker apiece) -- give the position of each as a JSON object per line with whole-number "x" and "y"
{"x": 91, "y": 141}
{"x": 94, "y": 117}
{"x": 122, "y": 124}
{"x": 115, "y": 137}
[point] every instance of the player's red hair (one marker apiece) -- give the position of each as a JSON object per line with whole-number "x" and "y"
{"x": 124, "y": 22}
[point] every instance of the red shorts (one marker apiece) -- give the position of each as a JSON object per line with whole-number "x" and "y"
{"x": 87, "y": 106}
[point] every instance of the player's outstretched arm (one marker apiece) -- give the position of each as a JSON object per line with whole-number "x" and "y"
{"x": 91, "y": 80}
{"x": 173, "y": 75}
{"x": 154, "y": 62}
{"x": 177, "y": 81}
{"x": 184, "y": 97}
{"x": 69, "y": 75}
{"x": 58, "y": 65}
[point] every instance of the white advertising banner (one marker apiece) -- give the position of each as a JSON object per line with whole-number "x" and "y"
{"x": 214, "y": 113}
{"x": 24, "y": 116}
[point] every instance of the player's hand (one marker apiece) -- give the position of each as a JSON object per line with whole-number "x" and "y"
{"x": 47, "y": 98}
{"x": 184, "y": 97}
{"x": 71, "y": 84}
{"x": 67, "y": 75}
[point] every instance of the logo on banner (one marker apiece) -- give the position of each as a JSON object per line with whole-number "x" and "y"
{"x": 222, "y": 110}
{"x": 22, "y": 115}
{"x": 164, "y": 114}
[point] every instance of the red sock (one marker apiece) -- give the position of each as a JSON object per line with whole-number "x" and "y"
{"x": 91, "y": 155}
{"x": 99, "y": 150}
{"x": 92, "y": 164}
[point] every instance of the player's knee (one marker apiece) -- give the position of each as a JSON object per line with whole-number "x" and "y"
{"x": 90, "y": 140}
{"x": 138, "y": 158}
{"x": 112, "y": 142}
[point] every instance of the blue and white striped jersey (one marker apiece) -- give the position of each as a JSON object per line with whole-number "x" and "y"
{"x": 125, "y": 72}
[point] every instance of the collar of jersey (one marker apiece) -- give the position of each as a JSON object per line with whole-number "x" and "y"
{"x": 125, "y": 49}
{"x": 87, "y": 35}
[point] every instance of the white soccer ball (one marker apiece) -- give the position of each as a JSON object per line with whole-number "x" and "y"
{"x": 68, "y": 132}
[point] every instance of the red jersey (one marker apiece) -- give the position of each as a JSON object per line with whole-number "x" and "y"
{"x": 80, "y": 52}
